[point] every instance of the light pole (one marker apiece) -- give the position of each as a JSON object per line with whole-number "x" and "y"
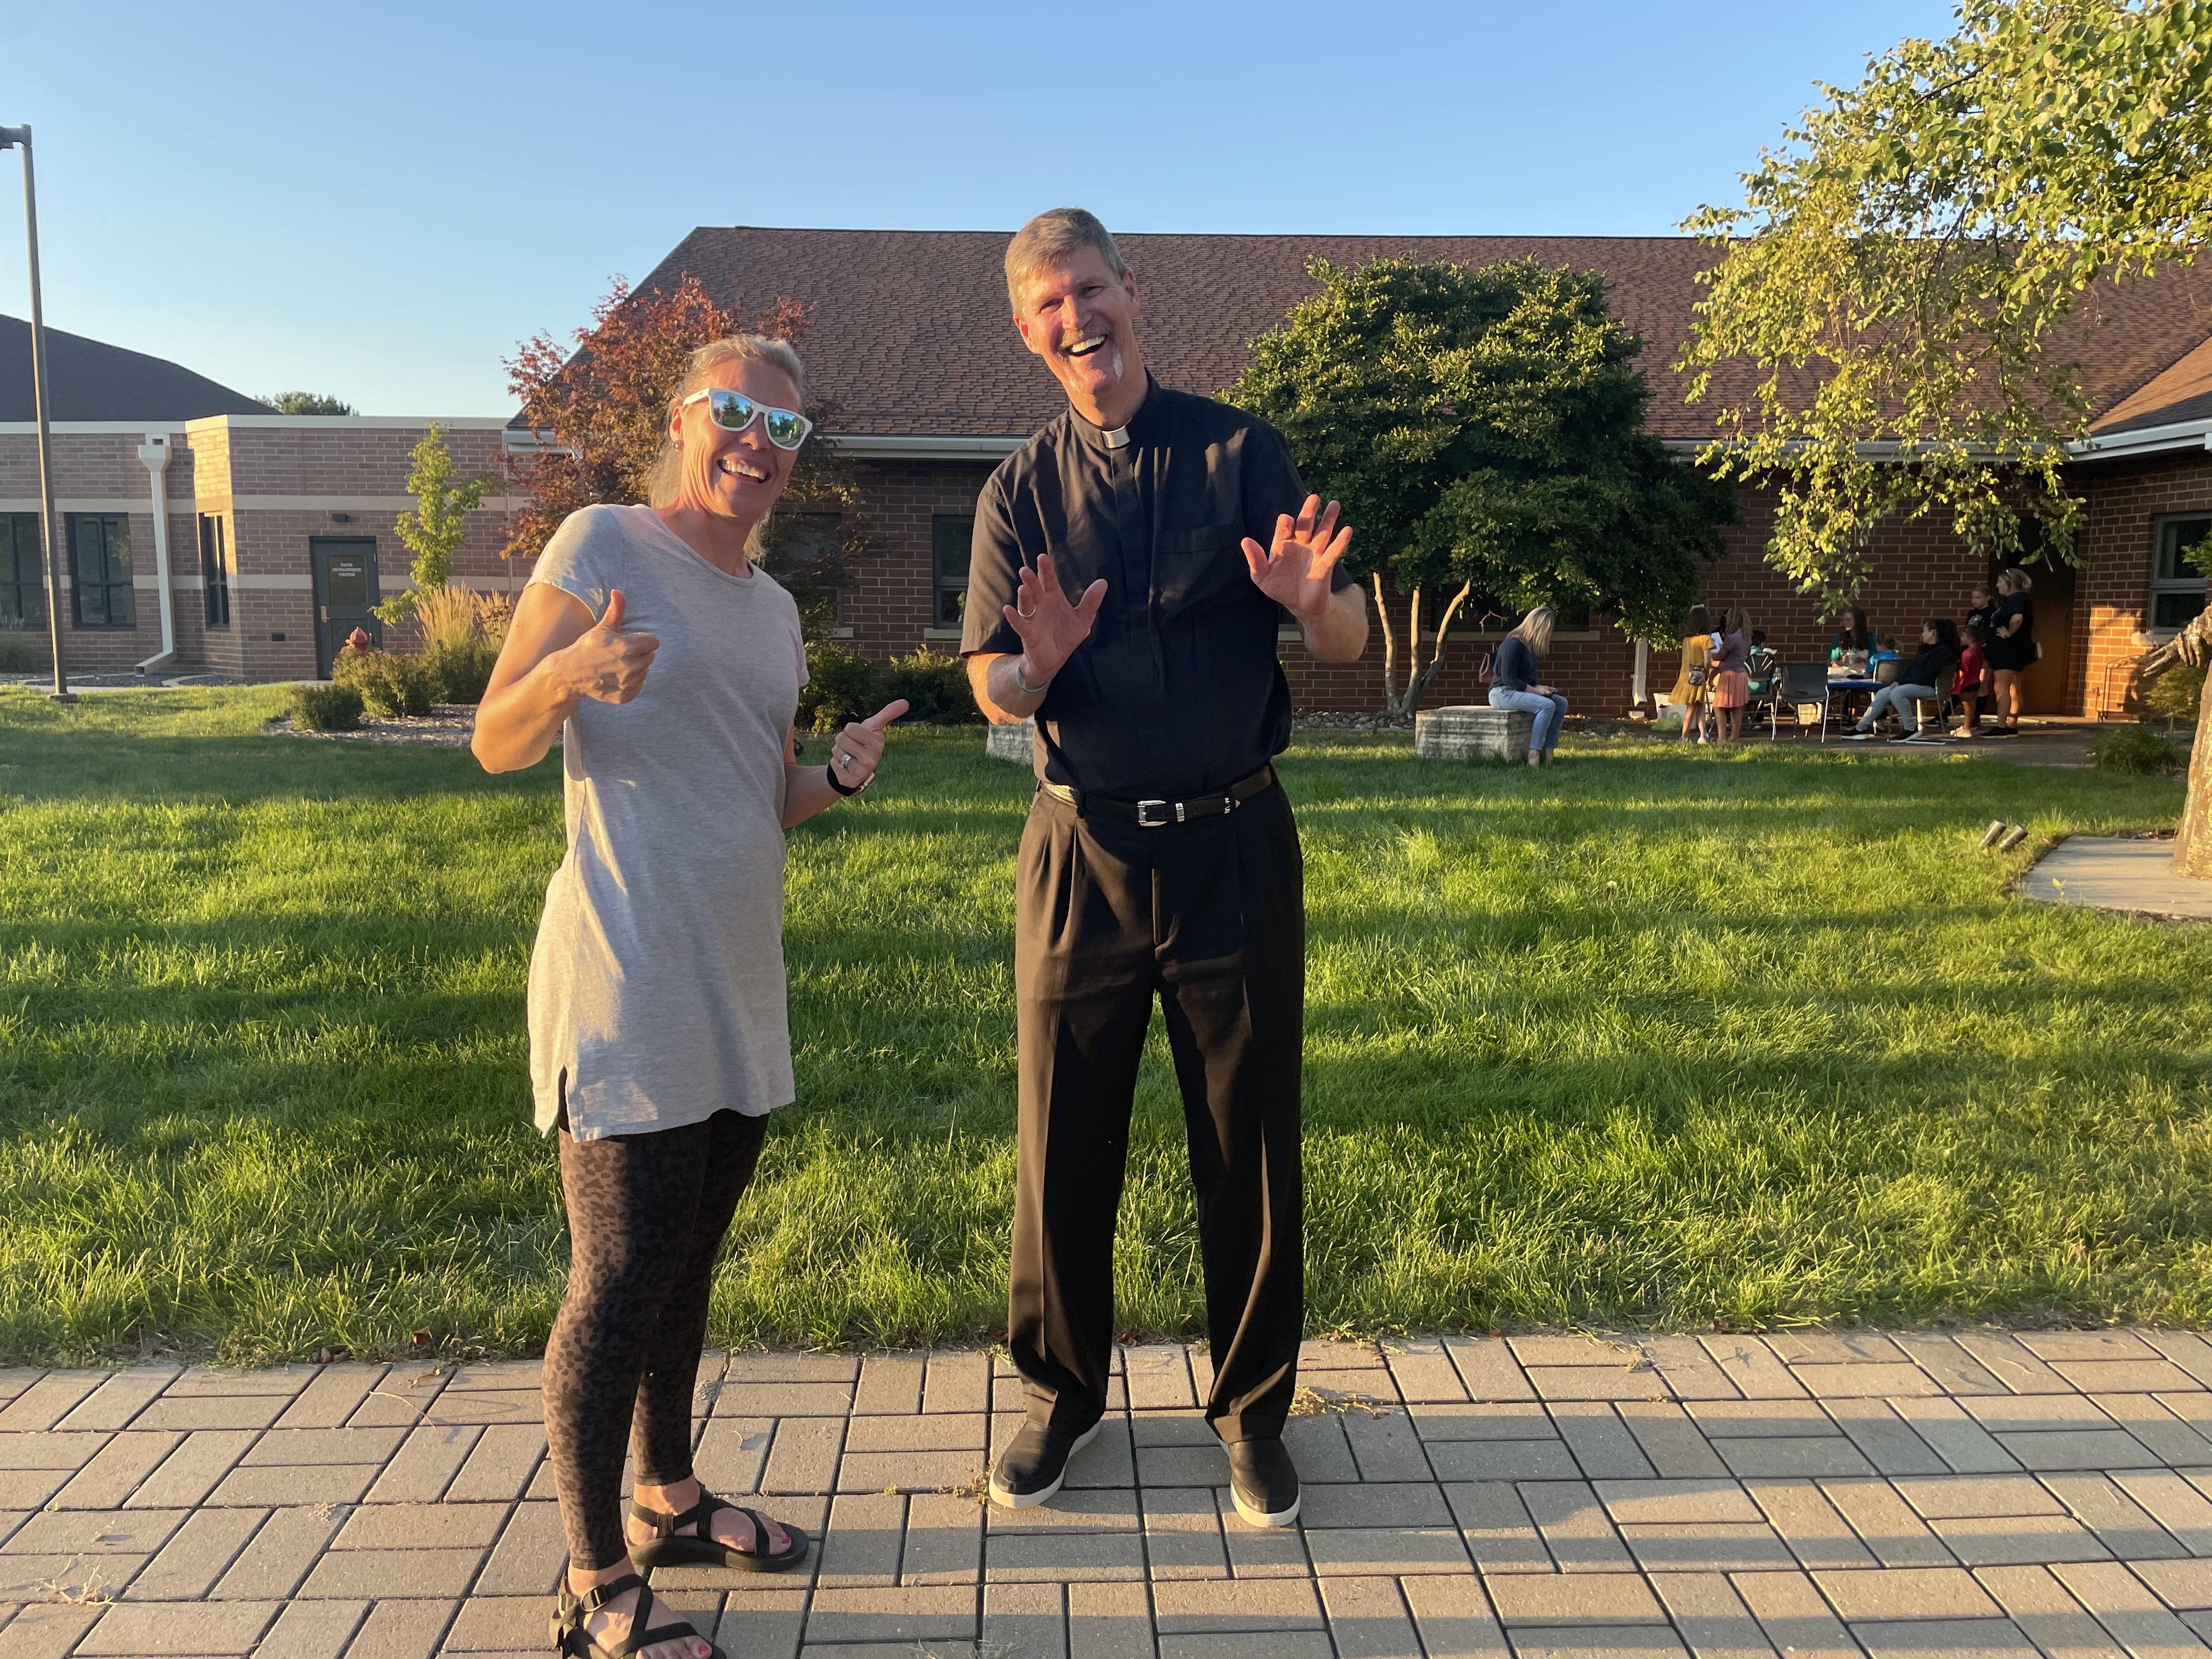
{"x": 20, "y": 137}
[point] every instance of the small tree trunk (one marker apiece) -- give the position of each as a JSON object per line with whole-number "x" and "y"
{"x": 2192, "y": 844}
{"x": 1390, "y": 700}
{"x": 1419, "y": 687}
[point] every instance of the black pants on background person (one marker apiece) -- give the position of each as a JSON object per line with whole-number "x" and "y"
{"x": 1210, "y": 916}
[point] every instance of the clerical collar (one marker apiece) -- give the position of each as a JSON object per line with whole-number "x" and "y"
{"x": 1118, "y": 438}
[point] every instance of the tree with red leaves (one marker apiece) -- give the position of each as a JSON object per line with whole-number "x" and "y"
{"x": 602, "y": 410}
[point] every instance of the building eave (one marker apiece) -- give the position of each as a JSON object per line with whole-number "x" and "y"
{"x": 886, "y": 446}
{"x": 2144, "y": 440}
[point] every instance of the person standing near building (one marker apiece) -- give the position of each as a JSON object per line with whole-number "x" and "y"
{"x": 2012, "y": 648}
{"x": 1131, "y": 566}
{"x": 670, "y": 667}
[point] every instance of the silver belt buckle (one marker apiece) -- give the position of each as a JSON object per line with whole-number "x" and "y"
{"x": 1147, "y": 821}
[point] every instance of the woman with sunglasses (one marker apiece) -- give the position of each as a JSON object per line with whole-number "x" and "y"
{"x": 670, "y": 667}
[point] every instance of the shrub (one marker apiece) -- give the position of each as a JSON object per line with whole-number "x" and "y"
{"x": 21, "y": 657}
{"x": 2138, "y": 748}
{"x": 333, "y": 708}
{"x": 388, "y": 684}
{"x": 462, "y": 632}
{"x": 937, "y": 686}
{"x": 460, "y": 671}
{"x": 2174, "y": 696}
{"x": 840, "y": 687}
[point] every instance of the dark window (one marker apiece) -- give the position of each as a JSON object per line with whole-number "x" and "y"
{"x": 953, "y": 535}
{"x": 100, "y": 570}
{"x": 2177, "y": 586}
{"x": 214, "y": 570}
{"x": 22, "y": 571}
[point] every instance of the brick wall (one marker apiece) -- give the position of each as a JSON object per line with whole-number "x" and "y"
{"x": 890, "y": 594}
{"x": 2126, "y": 499}
{"x": 100, "y": 472}
{"x": 261, "y": 481}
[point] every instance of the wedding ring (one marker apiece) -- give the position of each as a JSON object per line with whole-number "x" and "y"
{"x": 1023, "y": 614}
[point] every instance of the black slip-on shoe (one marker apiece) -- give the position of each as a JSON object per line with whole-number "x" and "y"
{"x": 1030, "y": 1470}
{"x": 1856, "y": 736}
{"x": 1264, "y": 1482}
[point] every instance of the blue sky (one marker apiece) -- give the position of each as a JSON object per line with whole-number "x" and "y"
{"x": 380, "y": 200}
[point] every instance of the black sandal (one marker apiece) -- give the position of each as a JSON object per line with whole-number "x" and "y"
{"x": 571, "y": 1641}
{"x": 671, "y": 1546}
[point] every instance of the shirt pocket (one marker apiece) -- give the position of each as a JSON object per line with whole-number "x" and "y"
{"x": 1199, "y": 564}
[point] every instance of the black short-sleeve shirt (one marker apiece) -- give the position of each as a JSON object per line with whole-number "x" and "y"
{"x": 1177, "y": 692}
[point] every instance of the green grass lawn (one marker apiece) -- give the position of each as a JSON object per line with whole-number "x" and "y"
{"x": 1654, "y": 1038}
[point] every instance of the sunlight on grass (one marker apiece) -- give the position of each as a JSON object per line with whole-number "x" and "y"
{"x": 1656, "y": 1037}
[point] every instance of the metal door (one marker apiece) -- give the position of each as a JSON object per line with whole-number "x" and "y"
{"x": 345, "y": 591}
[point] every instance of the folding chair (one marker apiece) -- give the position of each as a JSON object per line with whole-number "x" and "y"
{"x": 1803, "y": 682}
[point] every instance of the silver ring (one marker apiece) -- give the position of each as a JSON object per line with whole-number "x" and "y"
{"x": 843, "y": 760}
{"x": 1023, "y": 614}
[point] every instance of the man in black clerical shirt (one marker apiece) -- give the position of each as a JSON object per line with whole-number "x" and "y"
{"x": 1132, "y": 565}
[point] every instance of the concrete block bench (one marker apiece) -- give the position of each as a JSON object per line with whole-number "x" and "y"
{"x": 1010, "y": 742}
{"x": 1472, "y": 732}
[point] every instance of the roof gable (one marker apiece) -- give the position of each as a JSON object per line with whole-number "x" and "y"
{"x": 88, "y": 380}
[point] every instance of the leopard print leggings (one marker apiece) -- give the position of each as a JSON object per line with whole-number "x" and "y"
{"x": 647, "y": 1213}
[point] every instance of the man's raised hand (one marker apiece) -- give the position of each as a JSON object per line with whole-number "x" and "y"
{"x": 1295, "y": 572}
{"x": 1050, "y": 628}
{"x": 609, "y": 663}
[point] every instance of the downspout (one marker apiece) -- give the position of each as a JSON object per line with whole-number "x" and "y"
{"x": 1643, "y": 673}
{"x": 154, "y": 451}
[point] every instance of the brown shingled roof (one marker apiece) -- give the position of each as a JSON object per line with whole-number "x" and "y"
{"x": 910, "y": 335}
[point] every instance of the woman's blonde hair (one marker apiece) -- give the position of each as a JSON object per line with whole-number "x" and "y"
{"x": 1535, "y": 629}
{"x": 664, "y": 482}
{"x": 2018, "y": 580}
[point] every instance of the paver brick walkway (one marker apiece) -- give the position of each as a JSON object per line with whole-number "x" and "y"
{"x": 1972, "y": 1496}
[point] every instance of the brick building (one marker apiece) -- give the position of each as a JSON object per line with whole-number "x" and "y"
{"x": 275, "y": 530}
{"x": 278, "y": 530}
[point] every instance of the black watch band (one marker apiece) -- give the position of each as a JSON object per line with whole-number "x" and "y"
{"x": 830, "y": 773}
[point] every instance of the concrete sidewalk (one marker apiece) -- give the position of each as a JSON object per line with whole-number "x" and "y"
{"x": 1820, "y": 1496}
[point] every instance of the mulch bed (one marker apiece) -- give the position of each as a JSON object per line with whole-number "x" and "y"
{"x": 448, "y": 725}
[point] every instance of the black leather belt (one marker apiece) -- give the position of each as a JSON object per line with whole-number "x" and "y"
{"x": 1158, "y": 814}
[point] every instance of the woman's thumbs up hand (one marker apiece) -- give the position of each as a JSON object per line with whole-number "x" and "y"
{"x": 609, "y": 664}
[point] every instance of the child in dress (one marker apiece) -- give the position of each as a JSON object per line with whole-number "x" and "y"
{"x": 1973, "y": 673}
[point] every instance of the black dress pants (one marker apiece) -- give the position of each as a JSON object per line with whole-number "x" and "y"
{"x": 1210, "y": 916}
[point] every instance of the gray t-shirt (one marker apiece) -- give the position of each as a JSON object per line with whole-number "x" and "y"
{"x": 657, "y": 992}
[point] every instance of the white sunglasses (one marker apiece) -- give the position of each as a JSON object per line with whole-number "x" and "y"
{"x": 787, "y": 428}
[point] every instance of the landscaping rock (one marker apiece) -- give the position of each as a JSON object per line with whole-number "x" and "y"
{"x": 1010, "y": 742}
{"x": 1470, "y": 732}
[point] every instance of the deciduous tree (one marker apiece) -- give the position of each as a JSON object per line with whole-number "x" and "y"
{"x": 307, "y": 402}
{"x": 439, "y": 522}
{"x": 1483, "y": 430}
{"x": 600, "y": 405}
{"x": 1911, "y": 273}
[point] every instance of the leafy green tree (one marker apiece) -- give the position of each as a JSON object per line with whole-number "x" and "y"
{"x": 438, "y": 524}
{"x": 309, "y": 402}
{"x": 1483, "y": 431}
{"x": 1911, "y": 274}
